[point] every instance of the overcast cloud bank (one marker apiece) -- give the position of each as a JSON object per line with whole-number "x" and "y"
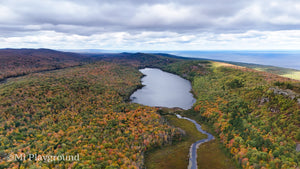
{"x": 146, "y": 25}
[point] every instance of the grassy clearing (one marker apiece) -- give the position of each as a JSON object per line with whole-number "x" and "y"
{"x": 284, "y": 72}
{"x": 176, "y": 155}
{"x": 292, "y": 75}
{"x": 210, "y": 155}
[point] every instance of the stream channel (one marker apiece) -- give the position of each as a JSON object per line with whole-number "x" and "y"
{"x": 163, "y": 89}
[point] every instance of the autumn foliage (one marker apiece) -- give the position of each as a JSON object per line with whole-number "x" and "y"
{"x": 18, "y": 62}
{"x": 257, "y": 126}
{"x": 78, "y": 111}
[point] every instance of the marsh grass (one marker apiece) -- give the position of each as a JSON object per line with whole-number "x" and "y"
{"x": 176, "y": 155}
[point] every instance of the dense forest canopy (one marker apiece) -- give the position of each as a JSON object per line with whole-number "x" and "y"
{"x": 82, "y": 108}
{"x": 254, "y": 114}
{"x": 79, "y": 111}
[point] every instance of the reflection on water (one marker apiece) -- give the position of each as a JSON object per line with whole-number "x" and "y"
{"x": 163, "y": 89}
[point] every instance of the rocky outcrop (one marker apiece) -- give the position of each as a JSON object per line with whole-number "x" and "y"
{"x": 263, "y": 100}
{"x": 298, "y": 147}
{"x": 286, "y": 92}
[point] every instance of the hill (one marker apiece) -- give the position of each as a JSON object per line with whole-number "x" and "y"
{"x": 17, "y": 62}
{"x": 255, "y": 115}
{"x": 284, "y": 72}
{"x": 137, "y": 59}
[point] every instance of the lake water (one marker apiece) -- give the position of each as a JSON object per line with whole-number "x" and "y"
{"x": 163, "y": 89}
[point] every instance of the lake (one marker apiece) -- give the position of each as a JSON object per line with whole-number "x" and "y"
{"x": 163, "y": 89}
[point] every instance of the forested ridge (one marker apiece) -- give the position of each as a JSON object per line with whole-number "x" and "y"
{"x": 254, "y": 114}
{"x": 19, "y": 62}
{"x": 85, "y": 110}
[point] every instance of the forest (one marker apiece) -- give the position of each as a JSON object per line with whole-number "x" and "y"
{"x": 81, "y": 111}
{"x": 19, "y": 62}
{"x": 254, "y": 114}
{"x": 81, "y": 107}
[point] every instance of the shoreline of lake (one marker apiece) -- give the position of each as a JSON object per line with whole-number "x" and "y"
{"x": 160, "y": 85}
{"x": 163, "y": 89}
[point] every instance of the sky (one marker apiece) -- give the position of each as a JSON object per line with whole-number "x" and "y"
{"x": 151, "y": 24}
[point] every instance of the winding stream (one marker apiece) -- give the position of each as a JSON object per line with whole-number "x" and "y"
{"x": 194, "y": 146}
{"x": 168, "y": 90}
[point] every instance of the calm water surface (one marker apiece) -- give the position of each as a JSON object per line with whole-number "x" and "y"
{"x": 163, "y": 89}
{"x": 287, "y": 59}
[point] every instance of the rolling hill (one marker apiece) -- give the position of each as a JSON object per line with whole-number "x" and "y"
{"x": 18, "y": 62}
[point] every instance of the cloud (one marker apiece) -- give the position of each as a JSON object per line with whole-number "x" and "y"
{"x": 214, "y": 15}
{"x": 157, "y": 40}
{"x": 101, "y": 23}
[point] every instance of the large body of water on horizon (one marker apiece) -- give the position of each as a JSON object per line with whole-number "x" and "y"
{"x": 285, "y": 59}
{"x": 279, "y": 58}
